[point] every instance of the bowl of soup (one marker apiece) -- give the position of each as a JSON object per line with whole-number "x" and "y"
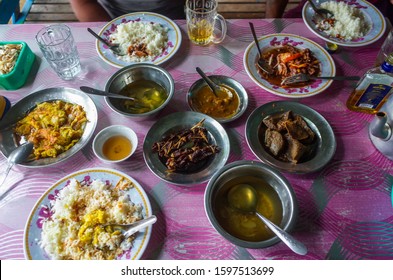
{"x": 224, "y": 107}
{"x": 151, "y": 87}
{"x": 276, "y": 201}
{"x": 115, "y": 143}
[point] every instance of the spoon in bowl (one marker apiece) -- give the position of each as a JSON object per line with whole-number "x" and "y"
{"x": 95, "y": 91}
{"x": 262, "y": 64}
{"x": 244, "y": 198}
{"x": 19, "y": 155}
{"x": 219, "y": 91}
{"x": 129, "y": 229}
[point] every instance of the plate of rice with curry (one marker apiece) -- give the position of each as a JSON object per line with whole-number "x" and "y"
{"x": 354, "y": 23}
{"x": 73, "y": 219}
{"x": 142, "y": 37}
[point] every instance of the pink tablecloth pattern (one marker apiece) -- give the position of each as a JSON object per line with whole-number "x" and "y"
{"x": 345, "y": 210}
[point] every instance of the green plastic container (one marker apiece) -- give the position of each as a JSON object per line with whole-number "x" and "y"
{"x": 19, "y": 74}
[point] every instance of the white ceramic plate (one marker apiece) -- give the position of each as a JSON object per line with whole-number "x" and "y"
{"x": 174, "y": 38}
{"x": 372, "y": 15}
{"x": 267, "y": 42}
{"x": 33, "y": 228}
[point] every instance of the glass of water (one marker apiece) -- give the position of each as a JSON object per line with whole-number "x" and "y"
{"x": 58, "y": 46}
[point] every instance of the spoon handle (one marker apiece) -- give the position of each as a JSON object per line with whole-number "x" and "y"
{"x": 137, "y": 226}
{"x": 207, "y": 80}
{"x": 98, "y": 37}
{"x": 94, "y": 91}
{"x": 255, "y": 38}
{"x": 292, "y": 243}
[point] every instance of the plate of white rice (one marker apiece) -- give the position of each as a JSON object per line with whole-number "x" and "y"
{"x": 69, "y": 220}
{"x": 143, "y": 37}
{"x": 355, "y": 23}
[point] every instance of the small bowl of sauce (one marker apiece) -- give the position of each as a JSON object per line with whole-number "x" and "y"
{"x": 115, "y": 143}
{"x": 200, "y": 98}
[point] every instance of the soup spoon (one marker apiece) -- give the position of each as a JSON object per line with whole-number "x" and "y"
{"x": 113, "y": 47}
{"x": 95, "y": 91}
{"x": 219, "y": 91}
{"x": 262, "y": 64}
{"x": 244, "y": 198}
{"x": 18, "y": 155}
{"x": 322, "y": 12}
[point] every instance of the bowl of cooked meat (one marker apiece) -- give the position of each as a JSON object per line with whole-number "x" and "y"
{"x": 186, "y": 148}
{"x": 289, "y": 55}
{"x": 150, "y": 86}
{"x": 290, "y": 136}
{"x": 276, "y": 200}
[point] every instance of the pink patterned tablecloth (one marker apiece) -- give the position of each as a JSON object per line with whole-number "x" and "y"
{"x": 345, "y": 210}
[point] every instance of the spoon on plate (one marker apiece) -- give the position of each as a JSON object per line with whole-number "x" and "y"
{"x": 244, "y": 198}
{"x": 320, "y": 11}
{"x": 130, "y": 229}
{"x": 262, "y": 64}
{"x": 19, "y": 155}
{"x": 219, "y": 91}
{"x": 115, "y": 48}
{"x": 95, "y": 91}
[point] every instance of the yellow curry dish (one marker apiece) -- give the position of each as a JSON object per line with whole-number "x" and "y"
{"x": 53, "y": 127}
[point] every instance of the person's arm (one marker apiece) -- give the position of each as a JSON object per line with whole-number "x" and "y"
{"x": 89, "y": 10}
{"x": 275, "y": 8}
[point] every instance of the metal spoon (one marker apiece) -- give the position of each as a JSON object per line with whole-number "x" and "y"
{"x": 130, "y": 229}
{"x": 95, "y": 91}
{"x": 322, "y": 12}
{"x": 262, "y": 64}
{"x": 18, "y": 155}
{"x": 113, "y": 47}
{"x": 219, "y": 91}
{"x": 243, "y": 197}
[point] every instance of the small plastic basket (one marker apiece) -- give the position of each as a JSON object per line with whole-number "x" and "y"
{"x": 19, "y": 74}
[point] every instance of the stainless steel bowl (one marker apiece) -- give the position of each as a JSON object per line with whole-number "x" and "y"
{"x": 137, "y": 72}
{"x": 257, "y": 169}
{"x": 240, "y": 90}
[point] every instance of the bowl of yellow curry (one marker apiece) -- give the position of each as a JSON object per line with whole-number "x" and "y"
{"x": 150, "y": 86}
{"x": 224, "y": 107}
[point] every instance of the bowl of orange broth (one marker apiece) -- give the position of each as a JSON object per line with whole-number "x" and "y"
{"x": 115, "y": 143}
{"x": 276, "y": 201}
{"x": 200, "y": 98}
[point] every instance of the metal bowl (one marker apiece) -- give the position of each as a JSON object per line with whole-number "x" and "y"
{"x": 326, "y": 141}
{"x": 135, "y": 72}
{"x": 240, "y": 90}
{"x": 272, "y": 176}
{"x": 176, "y": 122}
{"x": 8, "y": 140}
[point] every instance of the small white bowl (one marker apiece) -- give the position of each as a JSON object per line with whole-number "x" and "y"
{"x": 111, "y": 131}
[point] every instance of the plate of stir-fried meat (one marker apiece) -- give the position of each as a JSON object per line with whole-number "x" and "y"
{"x": 186, "y": 148}
{"x": 289, "y": 55}
{"x": 290, "y": 136}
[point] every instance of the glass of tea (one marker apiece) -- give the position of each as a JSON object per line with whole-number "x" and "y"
{"x": 204, "y": 24}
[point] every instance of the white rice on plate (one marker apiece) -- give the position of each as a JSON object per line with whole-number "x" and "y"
{"x": 75, "y": 229}
{"x": 142, "y": 41}
{"x": 348, "y": 23}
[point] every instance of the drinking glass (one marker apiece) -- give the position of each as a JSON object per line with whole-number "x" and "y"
{"x": 58, "y": 46}
{"x": 202, "y": 17}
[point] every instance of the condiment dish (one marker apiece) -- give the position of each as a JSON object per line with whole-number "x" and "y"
{"x": 115, "y": 143}
{"x": 200, "y": 96}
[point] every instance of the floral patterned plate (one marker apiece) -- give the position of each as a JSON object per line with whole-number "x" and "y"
{"x": 372, "y": 15}
{"x": 41, "y": 210}
{"x": 174, "y": 38}
{"x": 267, "y": 42}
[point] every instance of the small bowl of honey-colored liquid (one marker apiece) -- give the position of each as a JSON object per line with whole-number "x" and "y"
{"x": 115, "y": 143}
